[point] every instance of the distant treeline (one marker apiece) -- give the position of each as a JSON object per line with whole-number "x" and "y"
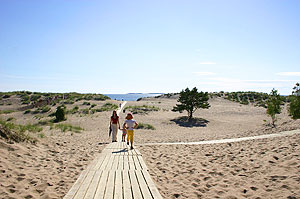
{"x": 246, "y": 97}
{"x": 28, "y": 97}
{"x": 242, "y": 97}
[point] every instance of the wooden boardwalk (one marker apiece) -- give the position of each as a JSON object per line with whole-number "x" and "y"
{"x": 116, "y": 173}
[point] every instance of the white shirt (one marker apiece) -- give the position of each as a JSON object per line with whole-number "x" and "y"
{"x": 130, "y": 124}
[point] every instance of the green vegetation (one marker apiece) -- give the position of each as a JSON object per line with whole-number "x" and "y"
{"x": 41, "y": 135}
{"x": 191, "y": 100}
{"x": 86, "y": 103}
{"x": 85, "y": 111}
{"x": 6, "y": 111}
{"x": 45, "y": 109}
{"x": 68, "y": 127}
{"x": 15, "y": 136}
{"x": 27, "y": 111}
{"x": 142, "y": 109}
{"x": 60, "y": 114}
{"x": 74, "y": 110}
{"x": 107, "y": 107}
{"x": 68, "y": 102}
{"x": 273, "y": 105}
{"x": 17, "y": 132}
{"x": 35, "y": 97}
{"x": 294, "y": 108}
{"x": 255, "y": 98}
{"x": 10, "y": 119}
{"x": 145, "y": 126}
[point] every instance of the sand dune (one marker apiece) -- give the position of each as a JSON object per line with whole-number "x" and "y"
{"x": 267, "y": 168}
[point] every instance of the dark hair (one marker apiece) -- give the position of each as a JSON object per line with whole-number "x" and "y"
{"x": 113, "y": 114}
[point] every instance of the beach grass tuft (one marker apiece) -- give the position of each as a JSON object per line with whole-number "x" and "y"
{"x": 142, "y": 109}
{"x": 145, "y": 126}
{"x": 69, "y": 127}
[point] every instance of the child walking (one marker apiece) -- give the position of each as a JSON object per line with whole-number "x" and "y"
{"x": 130, "y": 124}
{"x": 124, "y": 134}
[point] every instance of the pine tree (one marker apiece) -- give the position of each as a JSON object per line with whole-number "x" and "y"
{"x": 273, "y": 105}
{"x": 294, "y": 108}
{"x": 191, "y": 100}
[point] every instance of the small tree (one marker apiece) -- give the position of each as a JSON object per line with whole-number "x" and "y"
{"x": 191, "y": 100}
{"x": 294, "y": 108}
{"x": 273, "y": 105}
{"x": 60, "y": 114}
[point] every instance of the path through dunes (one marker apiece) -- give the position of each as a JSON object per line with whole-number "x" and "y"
{"x": 117, "y": 172}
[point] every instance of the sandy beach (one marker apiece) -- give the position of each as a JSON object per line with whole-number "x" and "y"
{"x": 267, "y": 168}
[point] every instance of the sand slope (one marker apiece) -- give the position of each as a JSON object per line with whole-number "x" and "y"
{"x": 268, "y": 168}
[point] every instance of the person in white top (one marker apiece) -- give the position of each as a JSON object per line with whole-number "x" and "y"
{"x": 129, "y": 125}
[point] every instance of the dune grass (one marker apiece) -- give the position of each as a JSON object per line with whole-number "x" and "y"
{"x": 6, "y": 111}
{"x": 145, "y": 126}
{"x": 17, "y": 132}
{"x": 142, "y": 109}
{"x": 69, "y": 127}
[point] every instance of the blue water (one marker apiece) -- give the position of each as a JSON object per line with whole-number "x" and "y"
{"x": 131, "y": 96}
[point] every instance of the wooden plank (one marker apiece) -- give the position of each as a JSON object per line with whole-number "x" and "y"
{"x": 131, "y": 163}
{"x": 110, "y": 162}
{"x": 126, "y": 163}
{"x": 136, "y": 192}
{"x": 127, "y": 185}
{"x": 143, "y": 164}
{"x": 109, "y": 191}
{"x": 85, "y": 184}
{"x": 115, "y": 163}
{"x": 101, "y": 185}
{"x": 137, "y": 163}
{"x": 129, "y": 151}
{"x": 76, "y": 185}
{"x": 143, "y": 185}
{"x": 105, "y": 162}
{"x": 154, "y": 192}
{"x": 99, "y": 162}
{"x": 118, "y": 193}
{"x": 121, "y": 163}
{"x": 137, "y": 151}
{"x": 93, "y": 186}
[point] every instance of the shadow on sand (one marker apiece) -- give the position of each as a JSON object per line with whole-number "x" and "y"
{"x": 194, "y": 122}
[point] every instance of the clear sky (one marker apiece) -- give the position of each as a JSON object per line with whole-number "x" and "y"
{"x": 123, "y": 46}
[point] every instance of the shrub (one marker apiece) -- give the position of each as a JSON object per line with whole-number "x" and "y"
{"x": 35, "y": 97}
{"x": 10, "y": 119}
{"x": 86, "y": 103}
{"x": 6, "y": 96}
{"x": 294, "y": 108}
{"x": 85, "y": 111}
{"x": 93, "y": 105}
{"x": 273, "y": 105}
{"x": 27, "y": 111}
{"x": 36, "y": 111}
{"x": 145, "y": 126}
{"x": 45, "y": 109}
{"x": 60, "y": 114}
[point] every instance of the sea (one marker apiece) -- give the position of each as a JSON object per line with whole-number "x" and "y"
{"x": 131, "y": 96}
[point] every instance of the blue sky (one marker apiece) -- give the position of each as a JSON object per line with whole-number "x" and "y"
{"x": 149, "y": 46}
